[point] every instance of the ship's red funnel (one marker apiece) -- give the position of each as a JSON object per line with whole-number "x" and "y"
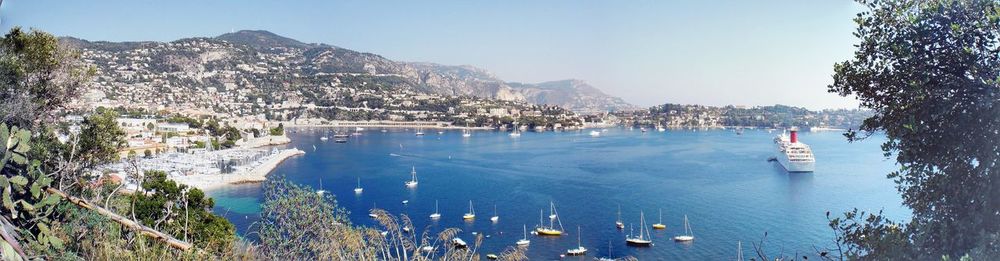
{"x": 794, "y": 136}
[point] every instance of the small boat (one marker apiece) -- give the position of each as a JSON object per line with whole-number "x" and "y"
{"x": 660, "y": 225}
{"x": 579, "y": 250}
{"x": 466, "y": 135}
{"x": 359, "y": 129}
{"x": 515, "y": 134}
{"x": 458, "y": 243}
{"x": 610, "y": 254}
{"x": 553, "y": 219}
{"x": 492, "y": 256}
{"x": 340, "y": 138}
{"x": 406, "y": 202}
{"x": 372, "y": 214}
{"x": 643, "y": 129}
{"x": 358, "y": 189}
{"x": 324, "y": 138}
{"x": 406, "y": 229}
{"x": 471, "y": 214}
{"x": 595, "y": 133}
{"x": 440, "y": 132}
{"x": 495, "y": 217}
{"x": 413, "y": 178}
{"x": 427, "y": 249}
{"x": 660, "y": 128}
{"x": 419, "y": 133}
{"x": 321, "y": 191}
{"x": 644, "y": 238}
{"x": 436, "y": 214}
{"x": 384, "y": 130}
{"x": 524, "y": 241}
{"x": 618, "y": 223}
{"x": 688, "y": 234}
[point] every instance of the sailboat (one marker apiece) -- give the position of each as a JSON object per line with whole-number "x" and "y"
{"x": 465, "y": 132}
{"x": 372, "y": 215}
{"x": 553, "y": 219}
{"x": 660, "y": 225}
{"x": 516, "y": 133}
{"x": 358, "y": 189}
{"x": 739, "y": 250}
{"x": 420, "y": 132}
{"x": 471, "y": 214}
{"x": 643, "y": 239}
{"x": 618, "y": 223}
{"x": 688, "y": 234}
{"x": 320, "y": 191}
{"x": 524, "y": 241}
{"x": 610, "y": 254}
{"x": 579, "y": 250}
{"x": 413, "y": 179}
{"x": 495, "y": 217}
{"x": 436, "y": 214}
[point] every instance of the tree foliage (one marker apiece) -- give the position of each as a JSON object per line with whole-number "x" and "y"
{"x": 929, "y": 70}
{"x": 37, "y": 77}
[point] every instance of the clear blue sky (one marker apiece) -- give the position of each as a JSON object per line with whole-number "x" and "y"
{"x": 648, "y": 52}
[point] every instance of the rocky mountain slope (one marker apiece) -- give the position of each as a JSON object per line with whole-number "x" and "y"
{"x": 252, "y": 60}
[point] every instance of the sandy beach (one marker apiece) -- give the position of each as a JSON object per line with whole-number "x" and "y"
{"x": 255, "y": 174}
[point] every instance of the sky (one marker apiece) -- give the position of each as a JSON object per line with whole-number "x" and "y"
{"x": 647, "y": 52}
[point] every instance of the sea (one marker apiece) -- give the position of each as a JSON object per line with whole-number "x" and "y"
{"x": 720, "y": 180}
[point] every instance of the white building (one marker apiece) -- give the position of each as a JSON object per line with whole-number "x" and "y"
{"x": 173, "y": 127}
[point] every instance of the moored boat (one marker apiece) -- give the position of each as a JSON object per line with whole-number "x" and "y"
{"x": 794, "y": 155}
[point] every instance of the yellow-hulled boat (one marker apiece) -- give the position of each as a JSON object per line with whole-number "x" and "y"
{"x": 660, "y": 225}
{"x": 471, "y": 214}
{"x": 551, "y": 230}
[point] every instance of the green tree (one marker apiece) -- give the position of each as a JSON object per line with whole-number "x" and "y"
{"x": 929, "y": 71}
{"x": 182, "y": 212}
{"x": 37, "y": 77}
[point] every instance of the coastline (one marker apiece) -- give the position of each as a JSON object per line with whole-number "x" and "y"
{"x": 257, "y": 174}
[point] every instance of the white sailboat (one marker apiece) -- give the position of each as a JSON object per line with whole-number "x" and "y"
{"x": 495, "y": 217}
{"x": 688, "y": 234}
{"x": 413, "y": 178}
{"x": 516, "y": 133}
{"x": 618, "y": 223}
{"x": 320, "y": 191}
{"x": 644, "y": 238}
{"x": 465, "y": 132}
{"x": 370, "y": 214}
{"x": 553, "y": 219}
{"x": 524, "y": 241}
{"x": 579, "y": 250}
{"x": 595, "y": 133}
{"x": 420, "y": 132}
{"x": 358, "y": 189}
{"x": 436, "y": 214}
{"x": 471, "y": 214}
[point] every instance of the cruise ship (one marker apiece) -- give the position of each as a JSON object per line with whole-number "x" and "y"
{"x": 793, "y": 155}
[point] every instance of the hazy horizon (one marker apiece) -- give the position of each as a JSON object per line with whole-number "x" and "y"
{"x": 647, "y": 53}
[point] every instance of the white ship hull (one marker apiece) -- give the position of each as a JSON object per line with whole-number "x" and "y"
{"x": 796, "y": 166}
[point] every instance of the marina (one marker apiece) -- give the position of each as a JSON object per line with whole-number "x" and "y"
{"x": 721, "y": 181}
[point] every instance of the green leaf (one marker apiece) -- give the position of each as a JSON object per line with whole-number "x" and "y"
{"x": 56, "y": 242}
{"x": 4, "y": 182}
{"x": 7, "y": 202}
{"x": 43, "y": 229}
{"x": 19, "y": 180}
{"x": 19, "y": 158}
{"x": 36, "y": 190}
{"x": 51, "y": 200}
{"x": 26, "y": 206}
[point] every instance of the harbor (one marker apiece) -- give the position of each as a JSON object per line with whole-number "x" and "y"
{"x": 719, "y": 180}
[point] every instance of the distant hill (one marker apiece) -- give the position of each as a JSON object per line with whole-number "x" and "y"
{"x": 198, "y": 56}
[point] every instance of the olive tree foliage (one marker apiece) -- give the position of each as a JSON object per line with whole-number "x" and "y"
{"x": 38, "y": 77}
{"x": 930, "y": 72}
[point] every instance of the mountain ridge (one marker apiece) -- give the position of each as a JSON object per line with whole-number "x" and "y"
{"x": 324, "y": 59}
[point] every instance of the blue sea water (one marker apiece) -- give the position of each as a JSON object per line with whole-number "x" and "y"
{"x": 720, "y": 180}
